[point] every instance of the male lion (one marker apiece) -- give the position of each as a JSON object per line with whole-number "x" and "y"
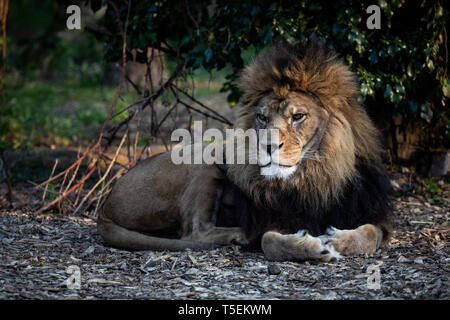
{"x": 324, "y": 175}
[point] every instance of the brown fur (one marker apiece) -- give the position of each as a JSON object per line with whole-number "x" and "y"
{"x": 336, "y": 131}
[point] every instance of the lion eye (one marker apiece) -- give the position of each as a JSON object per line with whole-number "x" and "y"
{"x": 261, "y": 117}
{"x": 298, "y": 116}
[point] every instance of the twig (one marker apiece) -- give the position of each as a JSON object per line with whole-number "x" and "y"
{"x": 128, "y": 107}
{"x": 166, "y": 115}
{"x": 149, "y": 71}
{"x": 95, "y": 28}
{"x": 147, "y": 102}
{"x": 122, "y": 73}
{"x": 133, "y": 85}
{"x": 225, "y": 120}
{"x": 73, "y": 176}
{"x": 40, "y": 187}
{"x": 136, "y": 139}
{"x": 51, "y": 174}
{"x": 65, "y": 194}
{"x": 104, "y": 176}
{"x": 166, "y": 85}
{"x": 201, "y": 112}
{"x": 190, "y": 16}
{"x": 97, "y": 206}
{"x": 60, "y": 189}
{"x": 80, "y": 188}
{"x": 128, "y": 149}
{"x": 88, "y": 151}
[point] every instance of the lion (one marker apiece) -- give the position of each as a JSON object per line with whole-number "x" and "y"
{"x": 318, "y": 192}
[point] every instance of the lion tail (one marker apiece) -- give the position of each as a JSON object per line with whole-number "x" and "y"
{"x": 122, "y": 238}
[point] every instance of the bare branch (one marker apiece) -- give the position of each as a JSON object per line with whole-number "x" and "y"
{"x": 104, "y": 175}
{"x": 225, "y": 120}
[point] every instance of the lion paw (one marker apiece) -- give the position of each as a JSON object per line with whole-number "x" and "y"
{"x": 329, "y": 253}
{"x": 331, "y": 231}
{"x": 299, "y": 246}
{"x": 302, "y": 232}
{"x": 364, "y": 239}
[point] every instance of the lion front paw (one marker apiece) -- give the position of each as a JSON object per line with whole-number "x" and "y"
{"x": 331, "y": 231}
{"x": 300, "y": 246}
{"x": 364, "y": 239}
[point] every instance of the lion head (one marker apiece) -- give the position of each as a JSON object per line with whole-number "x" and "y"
{"x": 310, "y": 96}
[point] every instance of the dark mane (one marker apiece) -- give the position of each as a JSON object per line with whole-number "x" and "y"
{"x": 365, "y": 200}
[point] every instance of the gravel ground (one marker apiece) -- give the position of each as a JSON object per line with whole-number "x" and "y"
{"x": 37, "y": 252}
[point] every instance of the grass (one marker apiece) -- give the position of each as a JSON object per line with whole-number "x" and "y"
{"x": 60, "y": 113}
{"x": 57, "y": 114}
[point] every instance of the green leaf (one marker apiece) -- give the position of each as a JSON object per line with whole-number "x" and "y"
{"x": 446, "y": 87}
{"x": 388, "y": 93}
{"x": 396, "y": 98}
{"x": 364, "y": 89}
{"x": 208, "y": 55}
{"x": 413, "y": 106}
{"x": 409, "y": 70}
{"x": 373, "y": 57}
{"x": 400, "y": 88}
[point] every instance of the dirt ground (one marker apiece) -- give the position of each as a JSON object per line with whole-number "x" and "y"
{"x": 38, "y": 254}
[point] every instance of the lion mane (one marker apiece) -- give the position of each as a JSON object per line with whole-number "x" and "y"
{"x": 343, "y": 185}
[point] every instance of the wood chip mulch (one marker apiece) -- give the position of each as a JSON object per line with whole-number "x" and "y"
{"x": 36, "y": 252}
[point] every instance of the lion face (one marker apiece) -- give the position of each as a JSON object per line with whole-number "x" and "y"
{"x": 300, "y": 120}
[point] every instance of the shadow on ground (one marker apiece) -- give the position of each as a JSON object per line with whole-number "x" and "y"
{"x": 36, "y": 251}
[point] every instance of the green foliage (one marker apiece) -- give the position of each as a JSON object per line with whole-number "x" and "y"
{"x": 44, "y": 114}
{"x": 34, "y": 35}
{"x": 433, "y": 193}
{"x": 52, "y": 73}
{"x": 402, "y": 67}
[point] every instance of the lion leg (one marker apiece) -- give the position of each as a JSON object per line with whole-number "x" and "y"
{"x": 296, "y": 247}
{"x": 218, "y": 235}
{"x": 199, "y": 209}
{"x": 364, "y": 239}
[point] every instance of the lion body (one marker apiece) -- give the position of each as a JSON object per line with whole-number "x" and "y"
{"x": 327, "y": 173}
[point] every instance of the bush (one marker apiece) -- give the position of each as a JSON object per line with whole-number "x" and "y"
{"x": 402, "y": 66}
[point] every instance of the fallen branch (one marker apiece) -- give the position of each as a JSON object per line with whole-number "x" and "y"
{"x": 103, "y": 177}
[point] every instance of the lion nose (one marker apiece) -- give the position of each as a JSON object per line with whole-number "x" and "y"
{"x": 272, "y": 148}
